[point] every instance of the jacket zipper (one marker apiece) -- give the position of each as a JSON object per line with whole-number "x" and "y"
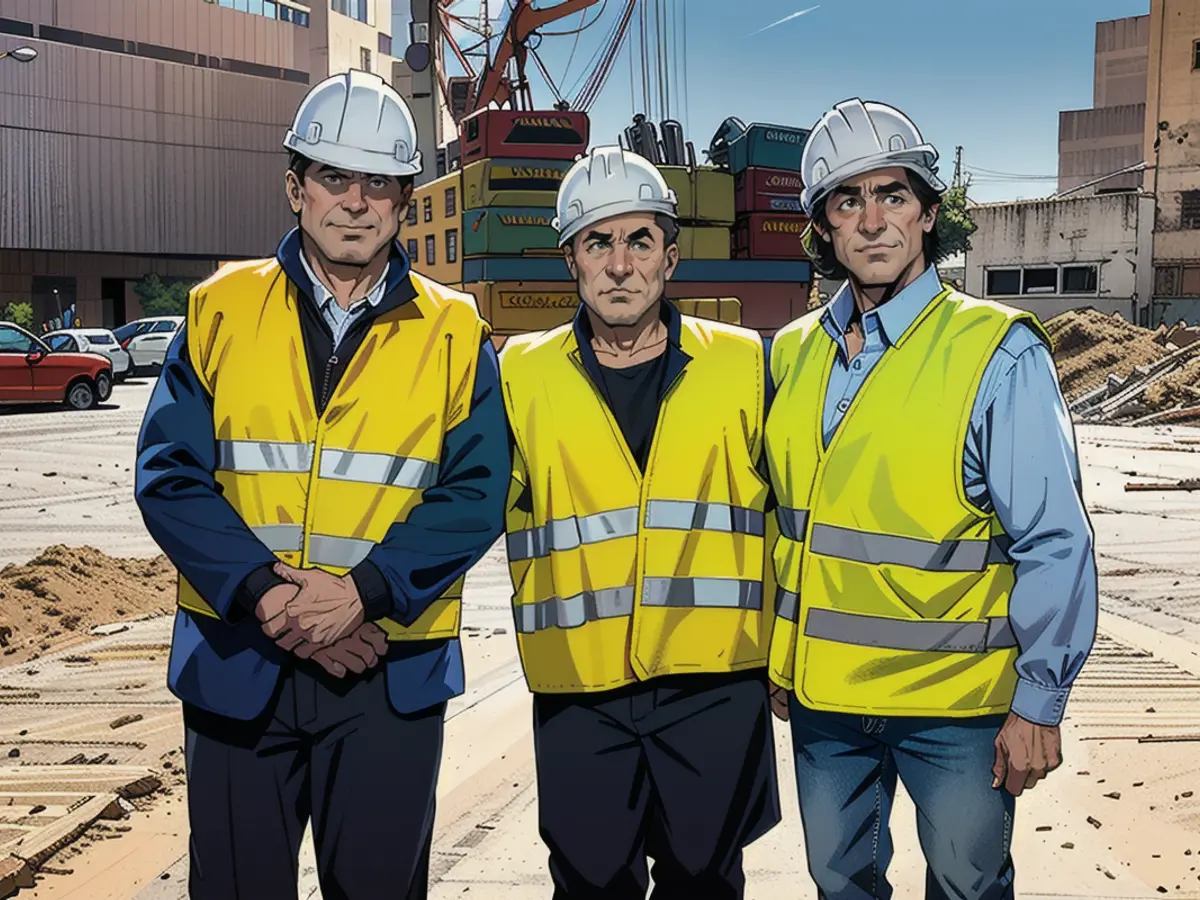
{"x": 333, "y": 361}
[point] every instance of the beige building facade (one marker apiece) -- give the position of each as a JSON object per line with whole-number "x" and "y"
{"x": 145, "y": 137}
{"x": 1107, "y": 138}
{"x": 1172, "y": 153}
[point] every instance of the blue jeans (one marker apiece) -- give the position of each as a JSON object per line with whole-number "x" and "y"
{"x": 846, "y": 770}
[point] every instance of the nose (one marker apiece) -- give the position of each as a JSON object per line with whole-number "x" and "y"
{"x": 355, "y": 200}
{"x": 873, "y": 221}
{"x": 619, "y": 264}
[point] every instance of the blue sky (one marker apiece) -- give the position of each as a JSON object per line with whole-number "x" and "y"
{"x": 990, "y": 75}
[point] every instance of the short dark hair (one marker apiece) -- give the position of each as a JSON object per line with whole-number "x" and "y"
{"x": 820, "y": 251}
{"x": 299, "y": 164}
{"x": 666, "y": 224}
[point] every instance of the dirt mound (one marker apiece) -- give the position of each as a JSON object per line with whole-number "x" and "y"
{"x": 1088, "y": 345}
{"x": 65, "y": 591}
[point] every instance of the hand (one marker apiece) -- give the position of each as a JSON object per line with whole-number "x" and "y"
{"x": 326, "y": 609}
{"x": 357, "y": 653}
{"x": 1025, "y": 754}
{"x": 779, "y": 703}
{"x": 271, "y": 608}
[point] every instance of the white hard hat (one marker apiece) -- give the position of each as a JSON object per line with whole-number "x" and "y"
{"x": 356, "y": 121}
{"x": 610, "y": 181}
{"x": 856, "y": 137}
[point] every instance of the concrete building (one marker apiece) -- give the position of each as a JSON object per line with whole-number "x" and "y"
{"x": 1109, "y": 136}
{"x": 145, "y": 137}
{"x": 1172, "y": 153}
{"x": 1048, "y": 256}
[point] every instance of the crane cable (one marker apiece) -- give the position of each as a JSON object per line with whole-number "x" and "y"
{"x": 537, "y": 61}
{"x": 601, "y": 74}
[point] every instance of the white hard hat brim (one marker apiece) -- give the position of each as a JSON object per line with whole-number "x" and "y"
{"x": 611, "y": 211}
{"x": 349, "y": 159}
{"x": 917, "y": 159}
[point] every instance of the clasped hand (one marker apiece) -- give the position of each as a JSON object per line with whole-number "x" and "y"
{"x": 320, "y": 616}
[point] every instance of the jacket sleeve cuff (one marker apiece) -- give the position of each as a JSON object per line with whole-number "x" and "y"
{"x": 252, "y": 589}
{"x": 1040, "y": 705}
{"x": 373, "y": 590}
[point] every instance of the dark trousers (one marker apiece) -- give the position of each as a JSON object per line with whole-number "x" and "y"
{"x": 680, "y": 768}
{"x": 847, "y": 767}
{"x": 333, "y": 751}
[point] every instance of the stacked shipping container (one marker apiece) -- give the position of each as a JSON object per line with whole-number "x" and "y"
{"x": 485, "y": 229}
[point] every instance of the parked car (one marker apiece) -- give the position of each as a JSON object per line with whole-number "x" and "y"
{"x": 147, "y": 340}
{"x": 30, "y": 372}
{"x": 92, "y": 340}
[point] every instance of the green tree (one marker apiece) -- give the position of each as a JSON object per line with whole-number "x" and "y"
{"x": 19, "y": 314}
{"x": 163, "y": 298}
{"x": 954, "y": 223}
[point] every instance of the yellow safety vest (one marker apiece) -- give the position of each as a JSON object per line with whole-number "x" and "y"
{"x": 322, "y": 491}
{"x": 620, "y": 576}
{"x": 893, "y": 587}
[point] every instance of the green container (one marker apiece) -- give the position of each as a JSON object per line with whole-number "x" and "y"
{"x": 508, "y": 231}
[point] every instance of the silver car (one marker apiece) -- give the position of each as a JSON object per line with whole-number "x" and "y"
{"x": 147, "y": 340}
{"x": 93, "y": 340}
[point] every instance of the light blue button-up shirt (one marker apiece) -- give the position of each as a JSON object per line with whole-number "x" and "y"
{"x": 338, "y": 319}
{"x": 1020, "y": 461}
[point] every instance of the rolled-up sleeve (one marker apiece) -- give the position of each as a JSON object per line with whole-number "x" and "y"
{"x": 181, "y": 502}
{"x": 457, "y": 520}
{"x": 1021, "y": 461}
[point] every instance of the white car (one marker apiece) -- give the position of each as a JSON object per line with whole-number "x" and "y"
{"x": 147, "y": 340}
{"x": 93, "y": 340}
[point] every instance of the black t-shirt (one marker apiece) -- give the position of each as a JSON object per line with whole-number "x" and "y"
{"x": 633, "y": 396}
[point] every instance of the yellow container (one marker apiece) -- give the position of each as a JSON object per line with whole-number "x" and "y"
{"x": 679, "y": 179}
{"x": 704, "y": 242}
{"x": 719, "y": 309}
{"x": 713, "y": 197}
{"x": 512, "y": 182}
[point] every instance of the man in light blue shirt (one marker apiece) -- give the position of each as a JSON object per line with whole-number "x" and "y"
{"x": 872, "y": 194}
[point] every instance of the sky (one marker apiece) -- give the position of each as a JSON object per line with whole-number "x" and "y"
{"x": 989, "y": 75}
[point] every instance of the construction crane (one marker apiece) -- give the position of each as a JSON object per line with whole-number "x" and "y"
{"x": 517, "y": 42}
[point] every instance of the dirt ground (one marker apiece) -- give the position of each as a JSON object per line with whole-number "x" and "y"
{"x": 63, "y": 592}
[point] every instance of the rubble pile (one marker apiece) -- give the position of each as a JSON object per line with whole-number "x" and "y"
{"x": 1114, "y": 371}
{"x": 65, "y": 591}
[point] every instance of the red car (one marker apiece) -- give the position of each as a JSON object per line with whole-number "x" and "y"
{"x": 30, "y": 372}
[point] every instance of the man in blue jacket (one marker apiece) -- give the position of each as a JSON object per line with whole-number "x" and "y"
{"x": 324, "y": 457}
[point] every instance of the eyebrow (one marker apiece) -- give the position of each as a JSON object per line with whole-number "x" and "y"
{"x": 598, "y": 236}
{"x": 892, "y": 187}
{"x": 640, "y": 235}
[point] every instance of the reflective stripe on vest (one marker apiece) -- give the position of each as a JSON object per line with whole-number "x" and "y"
{"x": 611, "y": 603}
{"x": 280, "y": 538}
{"x": 378, "y": 468}
{"x": 264, "y": 456}
{"x": 679, "y": 515}
{"x": 886, "y": 549}
{"x": 918, "y": 635}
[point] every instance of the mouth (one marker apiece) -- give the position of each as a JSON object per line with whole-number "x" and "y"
{"x": 872, "y": 248}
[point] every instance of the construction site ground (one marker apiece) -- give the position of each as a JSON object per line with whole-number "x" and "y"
{"x": 86, "y": 720}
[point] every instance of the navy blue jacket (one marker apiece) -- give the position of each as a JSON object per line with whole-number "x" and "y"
{"x": 227, "y": 665}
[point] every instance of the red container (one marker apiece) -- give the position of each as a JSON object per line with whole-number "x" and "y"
{"x": 766, "y": 305}
{"x": 767, "y": 190}
{"x": 769, "y": 236}
{"x": 500, "y": 133}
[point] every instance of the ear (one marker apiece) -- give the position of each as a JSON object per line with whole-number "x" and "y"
{"x": 822, "y": 233}
{"x": 672, "y": 261}
{"x": 406, "y": 196}
{"x": 568, "y": 250}
{"x": 931, "y": 217}
{"x": 295, "y": 192}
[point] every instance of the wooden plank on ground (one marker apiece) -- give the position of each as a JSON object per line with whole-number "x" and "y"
{"x": 38, "y": 846}
{"x": 127, "y": 781}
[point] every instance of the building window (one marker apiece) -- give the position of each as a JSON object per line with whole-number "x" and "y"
{"x": 1190, "y": 283}
{"x": 1079, "y": 280}
{"x": 412, "y": 249}
{"x": 1003, "y": 282}
{"x": 1189, "y": 209}
{"x": 1196, "y": 54}
{"x": 1166, "y": 281}
{"x": 412, "y": 212}
{"x": 355, "y": 9}
{"x": 385, "y": 44}
{"x": 1040, "y": 281}
{"x": 450, "y": 209}
{"x": 364, "y": 59}
{"x": 452, "y": 245}
{"x": 427, "y": 208}
{"x": 430, "y": 249}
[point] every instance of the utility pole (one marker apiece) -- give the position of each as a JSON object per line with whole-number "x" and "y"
{"x": 957, "y": 182}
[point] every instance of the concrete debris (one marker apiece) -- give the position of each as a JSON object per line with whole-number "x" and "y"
{"x": 125, "y": 720}
{"x": 15, "y": 873}
{"x": 1095, "y": 823}
{"x": 1114, "y": 371}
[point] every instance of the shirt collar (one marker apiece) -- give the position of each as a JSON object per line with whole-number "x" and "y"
{"x": 896, "y": 315}
{"x": 324, "y": 296}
